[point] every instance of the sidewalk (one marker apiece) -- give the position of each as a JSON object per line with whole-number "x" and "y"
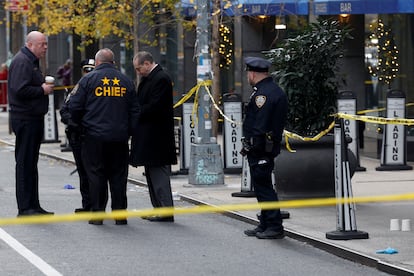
{"x": 309, "y": 224}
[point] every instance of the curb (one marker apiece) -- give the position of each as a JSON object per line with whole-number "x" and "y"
{"x": 334, "y": 249}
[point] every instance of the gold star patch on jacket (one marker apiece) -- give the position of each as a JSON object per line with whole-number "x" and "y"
{"x": 260, "y": 101}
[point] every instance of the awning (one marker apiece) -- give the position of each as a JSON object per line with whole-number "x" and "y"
{"x": 325, "y": 7}
{"x": 263, "y": 7}
{"x": 254, "y": 7}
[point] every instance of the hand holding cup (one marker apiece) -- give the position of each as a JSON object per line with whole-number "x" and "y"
{"x": 50, "y": 80}
{"x": 48, "y": 85}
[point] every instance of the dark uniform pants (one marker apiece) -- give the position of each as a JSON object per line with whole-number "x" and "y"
{"x": 261, "y": 178}
{"x": 29, "y": 135}
{"x": 106, "y": 162}
{"x": 75, "y": 143}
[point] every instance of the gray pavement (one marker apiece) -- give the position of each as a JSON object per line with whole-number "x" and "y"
{"x": 308, "y": 224}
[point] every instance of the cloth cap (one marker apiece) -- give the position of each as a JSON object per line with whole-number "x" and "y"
{"x": 88, "y": 65}
{"x": 257, "y": 64}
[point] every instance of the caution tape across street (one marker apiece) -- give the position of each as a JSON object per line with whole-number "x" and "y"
{"x": 168, "y": 211}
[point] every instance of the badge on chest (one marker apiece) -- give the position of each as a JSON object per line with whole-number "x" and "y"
{"x": 260, "y": 101}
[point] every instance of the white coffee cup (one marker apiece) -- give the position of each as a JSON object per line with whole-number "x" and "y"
{"x": 50, "y": 80}
{"x": 395, "y": 225}
{"x": 406, "y": 225}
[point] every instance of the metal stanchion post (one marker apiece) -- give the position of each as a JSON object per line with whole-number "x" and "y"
{"x": 51, "y": 130}
{"x": 347, "y": 103}
{"x": 246, "y": 185}
{"x": 188, "y": 135}
{"x": 346, "y": 222}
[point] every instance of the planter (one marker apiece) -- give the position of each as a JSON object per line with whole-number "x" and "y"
{"x": 308, "y": 172}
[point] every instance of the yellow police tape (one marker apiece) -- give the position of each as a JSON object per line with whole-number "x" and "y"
{"x": 368, "y": 119}
{"x": 63, "y": 87}
{"x": 195, "y": 90}
{"x": 123, "y": 214}
{"x": 379, "y": 109}
{"x": 292, "y": 135}
{"x": 190, "y": 93}
{"x": 377, "y": 120}
{"x": 219, "y": 110}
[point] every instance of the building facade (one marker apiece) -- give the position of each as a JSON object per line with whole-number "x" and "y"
{"x": 251, "y": 26}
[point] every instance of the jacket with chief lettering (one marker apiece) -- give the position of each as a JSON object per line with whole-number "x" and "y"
{"x": 266, "y": 112}
{"x": 104, "y": 102}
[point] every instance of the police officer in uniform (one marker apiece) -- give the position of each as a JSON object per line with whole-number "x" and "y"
{"x": 87, "y": 66}
{"x": 105, "y": 104}
{"x": 262, "y": 130}
{"x": 74, "y": 135}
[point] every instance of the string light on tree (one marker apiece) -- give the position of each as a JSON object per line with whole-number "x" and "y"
{"x": 226, "y": 46}
{"x": 386, "y": 68}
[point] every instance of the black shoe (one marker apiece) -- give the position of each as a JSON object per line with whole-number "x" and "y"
{"x": 160, "y": 219}
{"x": 80, "y": 210}
{"x": 96, "y": 222}
{"x": 284, "y": 214}
{"x": 253, "y": 232}
{"x": 66, "y": 149}
{"x": 28, "y": 212}
{"x": 121, "y": 222}
{"x": 270, "y": 234}
{"x": 44, "y": 212}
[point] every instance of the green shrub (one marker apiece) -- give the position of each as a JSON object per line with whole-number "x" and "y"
{"x": 305, "y": 67}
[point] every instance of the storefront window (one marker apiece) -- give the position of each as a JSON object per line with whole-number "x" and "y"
{"x": 389, "y": 58}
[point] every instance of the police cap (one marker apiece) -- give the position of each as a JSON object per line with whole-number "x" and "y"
{"x": 88, "y": 65}
{"x": 257, "y": 64}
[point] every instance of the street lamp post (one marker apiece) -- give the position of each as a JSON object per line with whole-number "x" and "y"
{"x": 206, "y": 166}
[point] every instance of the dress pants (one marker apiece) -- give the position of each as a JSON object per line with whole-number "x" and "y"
{"x": 106, "y": 162}
{"x": 29, "y": 135}
{"x": 159, "y": 185}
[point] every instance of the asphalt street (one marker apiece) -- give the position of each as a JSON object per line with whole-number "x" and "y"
{"x": 205, "y": 244}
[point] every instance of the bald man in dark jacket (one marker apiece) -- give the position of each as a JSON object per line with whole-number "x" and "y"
{"x": 104, "y": 103}
{"x": 28, "y": 102}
